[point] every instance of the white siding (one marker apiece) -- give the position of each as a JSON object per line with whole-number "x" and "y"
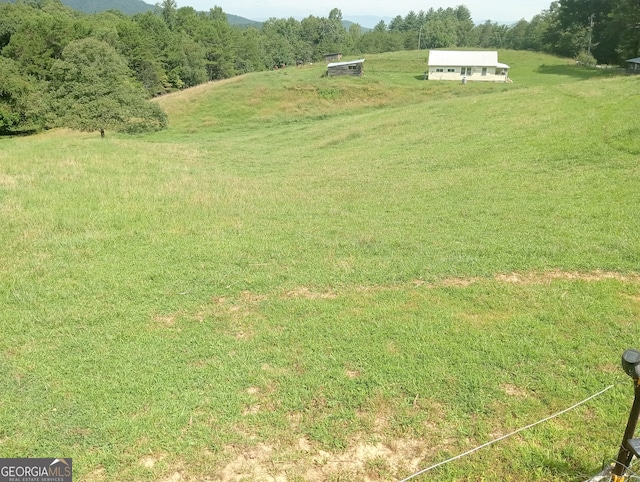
{"x": 457, "y": 65}
{"x": 441, "y": 73}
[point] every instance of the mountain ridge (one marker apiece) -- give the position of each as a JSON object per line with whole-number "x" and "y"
{"x": 133, "y": 7}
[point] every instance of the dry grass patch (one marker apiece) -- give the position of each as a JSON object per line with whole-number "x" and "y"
{"x": 183, "y": 100}
{"x": 549, "y": 276}
{"x": 239, "y": 310}
{"x": 167, "y": 321}
{"x": 514, "y": 391}
{"x": 148, "y": 461}
{"x": 307, "y": 293}
{"x": 532, "y": 278}
{"x": 479, "y": 320}
{"x": 7, "y": 181}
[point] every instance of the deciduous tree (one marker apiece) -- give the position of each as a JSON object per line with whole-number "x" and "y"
{"x": 94, "y": 90}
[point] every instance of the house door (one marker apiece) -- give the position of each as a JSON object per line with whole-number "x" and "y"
{"x": 465, "y": 71}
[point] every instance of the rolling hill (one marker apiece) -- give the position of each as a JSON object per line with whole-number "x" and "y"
{"x": 312, "y": 278}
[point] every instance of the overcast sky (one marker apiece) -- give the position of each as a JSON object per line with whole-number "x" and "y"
{"x": 481, "y": 10}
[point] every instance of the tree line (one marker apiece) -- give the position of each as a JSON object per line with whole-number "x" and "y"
{"x": 61, "y": 67}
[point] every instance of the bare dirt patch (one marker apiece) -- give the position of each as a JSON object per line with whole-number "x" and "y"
{"x": 237, "y": 312}
{"x": 549, "y": 276}
{"x": 514, "y": 391}
{"x": 363, "y": 461}
{"x": 352, "y": 373}
{"x": 174, "y": 477}
{"x": 167, "y": 321}
{"x": 148, "y": 461}
{"x": 458, "y": 282}
{"x": 304, "y": 292}
{"x": 534, "y": 278}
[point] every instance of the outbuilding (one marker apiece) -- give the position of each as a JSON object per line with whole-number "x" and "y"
{"x": 633, "y": 66}
{"x": 464, "y": 65}
{"x": 354, "y": 68}
{"x": 332, "y": 57}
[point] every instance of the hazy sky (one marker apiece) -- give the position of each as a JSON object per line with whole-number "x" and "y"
{"x": 481, "y": 10}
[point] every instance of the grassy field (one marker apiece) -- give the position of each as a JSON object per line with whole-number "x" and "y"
{"x": 328, "y": 279}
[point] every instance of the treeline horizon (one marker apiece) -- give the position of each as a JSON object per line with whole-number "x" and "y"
{"x": 52, "y": 57}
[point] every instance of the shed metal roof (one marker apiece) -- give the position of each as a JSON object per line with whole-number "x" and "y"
{"x": 350, "y": 62}
{"x": 634, "y": 61}
{"x": 470, "y": 58}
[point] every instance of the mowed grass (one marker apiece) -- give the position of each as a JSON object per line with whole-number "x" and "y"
{"x": 328, "y": 279}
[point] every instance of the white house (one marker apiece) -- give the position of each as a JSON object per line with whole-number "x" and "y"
{"x": 463, "y": 65}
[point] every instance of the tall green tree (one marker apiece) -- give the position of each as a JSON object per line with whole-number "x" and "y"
{"x": 625, "y": 22}
{"x": 440, "y": 32}
{"x": 142, "y": 42}
{"x": 217, "y": 38}
{"x": 516, "y": 37}
{"x": 93, "y": 89}
{"x": 12, "y": 16}
{"x": 168, "y": 11}
{"x": 40, "y": 39}
{"x": 249, "y": 56}
{"x": 23, "y": 105}
{"x": 396, "y": 24}
{"x": 278, "y": 41}
{"x": 465, "y": 26}
{"x": 583, "y": 26}
{"x": 335, "y": 15}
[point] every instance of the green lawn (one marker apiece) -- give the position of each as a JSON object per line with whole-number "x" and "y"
{"x": 328, "y": 279}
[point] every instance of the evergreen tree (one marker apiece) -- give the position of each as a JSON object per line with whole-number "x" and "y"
{"x": 168, "y": 10}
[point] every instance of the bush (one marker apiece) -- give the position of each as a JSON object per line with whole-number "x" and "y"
{"x": 585, "y": 58}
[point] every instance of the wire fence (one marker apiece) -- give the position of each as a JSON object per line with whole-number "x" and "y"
{"x": 469, "y": 452}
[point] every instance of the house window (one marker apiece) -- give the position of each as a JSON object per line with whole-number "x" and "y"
{"x": 352, "y": 67}
{"x": 439, "y": 70}
{"x": 451, "y": 70}
{"x": 484, "y": 71}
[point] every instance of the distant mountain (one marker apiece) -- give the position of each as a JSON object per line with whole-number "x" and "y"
{"x": 129, "y": 7}
{"x": 348, "y": 23}
{"x": 368, "y": 21}
{"x": 241, "y": 21}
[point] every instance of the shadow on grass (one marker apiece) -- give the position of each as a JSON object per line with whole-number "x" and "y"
{"x": 579, "y": 71}
{"x": 20, "y": 133}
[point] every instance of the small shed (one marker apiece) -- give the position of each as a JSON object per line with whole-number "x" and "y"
{"x": 354, "y": 68}
{"x": 464, "y": 65}
{"x": 332, "y": 57}
{"x": 633, "y": 66}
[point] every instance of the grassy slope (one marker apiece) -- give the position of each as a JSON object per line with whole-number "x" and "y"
{"x": 303, "y": 266}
